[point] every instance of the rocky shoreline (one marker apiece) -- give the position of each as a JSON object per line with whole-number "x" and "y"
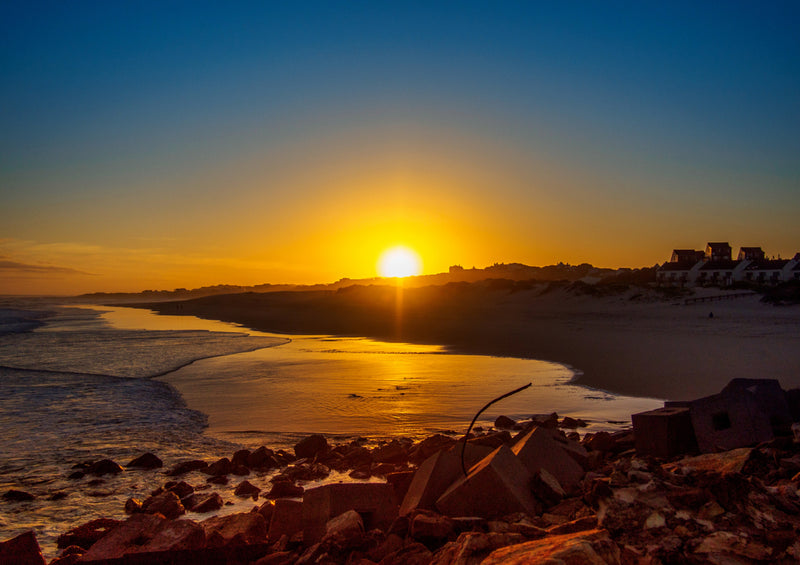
{"x": 535, "y": 491}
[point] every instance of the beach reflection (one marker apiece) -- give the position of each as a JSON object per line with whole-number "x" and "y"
{"x": 348, "y": 386}
{"x": 353, "y": 386}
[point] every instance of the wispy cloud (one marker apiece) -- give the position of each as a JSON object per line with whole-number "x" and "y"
{"x": 17, "y": 268}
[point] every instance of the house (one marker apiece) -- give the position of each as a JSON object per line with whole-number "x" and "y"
{"x": 716, "y": 267}
{"x": 750, "y": 254}
{"x": 718, "y": 251}
{"x": 766, "y": 271}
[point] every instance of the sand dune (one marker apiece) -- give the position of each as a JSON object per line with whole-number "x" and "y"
{"x": 625, "y": 343}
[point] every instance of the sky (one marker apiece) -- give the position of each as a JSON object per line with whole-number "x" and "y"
{"x": 158, "y": 145}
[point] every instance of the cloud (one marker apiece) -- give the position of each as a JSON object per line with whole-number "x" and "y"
{"x": 17, "y": 268}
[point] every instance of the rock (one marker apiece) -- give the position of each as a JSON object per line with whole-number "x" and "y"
{"x": 220, "y": 467}
{"x": 311, "y": 446}
{"x": 496, "y": 486}
{"x": 572, "y": 423}
{"x": 186, "y": 467}
{"x": 579, "y": 525}
{"x": 392, "y": 452}
{"x": 285, "y": 489}
{"x": 202, "y": 502}
{"x": 87, "y": 534}
{"x": 146, "y": 461}
{"x": 167, "y": 504}
{"x": 69, "y": 556}
{"x": 723, "y": 464}
{"x": 143, "y": 534}
{"x": 411, "y": 554}
{"x": 76, "y": 475}
{"x": 493, "y": 440}
{"x": 504, "y": 423}
{"x": 376, "y": 501}
{"x": 218, "y": 480}
{"x": 13, "y": 495}
{"x": 241, "y": 457}
{"x": 286, "y": 519}
{"x": 472, "y": 547}
{"x": 547, "y": 488}
{"x": 429, "y": 527}
{"x": 427, "y": 447}
{"x": 21, "y": 550}
{"x": 545, "y": 420}
{"x": 104, "y": 467}
{"x": 345, "y": 530}
{"x": 133, "y": 505}
{"x": 262, "y": 458}
{"x": 181, "y": 489}
{"x": 235, "y": 529}
{"x": 593, "y": 547}
{"x": 599, "y": 441}
{"x": 727, "y": 547}
{"x": 245, "y": 489}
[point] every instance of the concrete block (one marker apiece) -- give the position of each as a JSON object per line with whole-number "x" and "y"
{"x": 664, "y": 432}
{"x": 437, "y": 473}
{"x": 728, "y": 421}
{"x": 375, "y": 502}
{"x": 771, "y": 399}
{"x": 496, "y": 486}
{"x": 544, "y": 448}
{"x": 286, "y": 519}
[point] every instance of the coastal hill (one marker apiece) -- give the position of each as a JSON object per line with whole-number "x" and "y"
{"x": 635, "y": 339}
{"x": 456, "y": 273}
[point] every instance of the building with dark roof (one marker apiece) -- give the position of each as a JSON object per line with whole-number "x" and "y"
{"x": 716, "y": 267}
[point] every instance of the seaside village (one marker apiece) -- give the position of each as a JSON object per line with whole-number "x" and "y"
{"x": 716, "y": 267}
{"x": 714, "y": 480}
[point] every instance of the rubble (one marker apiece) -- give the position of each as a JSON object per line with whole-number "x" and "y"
{"x": 541, "y": 496}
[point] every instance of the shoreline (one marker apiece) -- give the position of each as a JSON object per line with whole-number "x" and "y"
{"x": 644, "y": 348}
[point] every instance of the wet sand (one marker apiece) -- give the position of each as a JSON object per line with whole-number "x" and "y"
{"x": 627, "y": 344}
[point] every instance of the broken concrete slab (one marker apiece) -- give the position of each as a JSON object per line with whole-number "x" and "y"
{"x": 496, "y": 486}
{"x": 664, "y": 432}
{"x": 286, "y": 519}
{"x": 375, "y": 502}
{"x": 544, "y": 448}
{"x": 437, "y": 473}
{"x": 728, "y": 421}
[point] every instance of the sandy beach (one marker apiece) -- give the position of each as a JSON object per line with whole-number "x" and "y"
{"x": 630, "y": 343}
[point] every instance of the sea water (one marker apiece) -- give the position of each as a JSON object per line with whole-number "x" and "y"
{"x": 80, "y": 384}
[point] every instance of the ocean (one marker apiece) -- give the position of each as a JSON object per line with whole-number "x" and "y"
{"x": 83, "y": 383}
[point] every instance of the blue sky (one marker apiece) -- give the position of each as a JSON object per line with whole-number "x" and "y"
{"x": 606, "y": 132}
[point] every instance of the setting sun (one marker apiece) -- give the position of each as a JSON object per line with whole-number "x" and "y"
{"x": 399, "y": 262}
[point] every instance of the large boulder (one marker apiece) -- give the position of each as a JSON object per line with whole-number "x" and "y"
{"x": 143, "y": 534}
{"x": 245, "y": 528}
{"x": 104, "y": 467}
{"x": 87, "y": 534}
{"x": 593, "y": 547}
{"x": 146, "y": 461}
{"x": 311, "y": 446}
{"x": 167, "y": 504}
{"x": 22, "y": 550}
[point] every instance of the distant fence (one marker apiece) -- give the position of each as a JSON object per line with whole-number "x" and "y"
{"x": 717, "y": 297}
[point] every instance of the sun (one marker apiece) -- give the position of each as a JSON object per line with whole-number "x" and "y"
{"x": 399, "y": 261}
